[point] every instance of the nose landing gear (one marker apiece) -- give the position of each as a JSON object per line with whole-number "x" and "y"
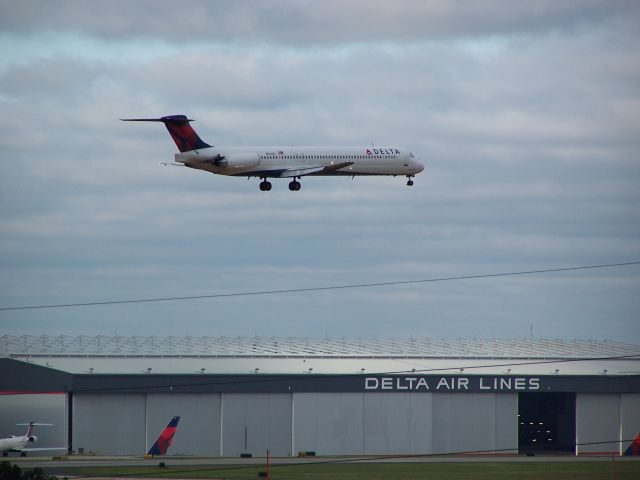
{"x": 409, "y": 181}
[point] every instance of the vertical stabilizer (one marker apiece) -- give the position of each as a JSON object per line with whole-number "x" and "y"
{"x": 163, "y": 442}
{"x": 183, "y": 134}
{"x": 634, "y": 448}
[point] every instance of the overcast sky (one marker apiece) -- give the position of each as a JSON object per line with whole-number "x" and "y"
{"x": 526, "y": 116}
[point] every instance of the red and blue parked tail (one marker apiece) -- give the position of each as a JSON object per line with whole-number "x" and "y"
{"x": 185, "y": 137}
{"x": 634, "y": 448}
{"x": 165, "y": 438}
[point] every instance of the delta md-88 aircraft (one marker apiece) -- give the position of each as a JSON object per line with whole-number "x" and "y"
{"x": 18, "y": 443}
{"x": 284, "y": 162}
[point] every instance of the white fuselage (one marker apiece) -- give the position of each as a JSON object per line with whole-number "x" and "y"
{"x": 268, "y": 161}
{"x": 15, "y": 443}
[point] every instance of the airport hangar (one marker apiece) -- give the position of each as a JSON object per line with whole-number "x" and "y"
{"x": 113, "y": 395}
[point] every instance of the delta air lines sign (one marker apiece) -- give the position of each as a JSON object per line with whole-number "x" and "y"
{"x": 451, "y": 384}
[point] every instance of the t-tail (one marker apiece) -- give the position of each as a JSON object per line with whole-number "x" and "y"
{"x": 30, "y": 426}
{"x": 182, "y": 133}
{"x": 164, "y": 439}
{"x": 634, "y": 448}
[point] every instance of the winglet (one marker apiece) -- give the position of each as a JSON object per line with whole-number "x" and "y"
{"x": 165, "y": 438}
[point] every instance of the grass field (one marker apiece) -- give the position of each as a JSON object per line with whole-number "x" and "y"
{"x": 394, "y": 471}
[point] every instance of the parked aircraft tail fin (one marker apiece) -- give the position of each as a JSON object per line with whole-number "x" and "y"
{"x": 634, "y": 448}
{"x": 183, "y": 134}
{"x": 30, "y": 426}
{"x": 165, "y": 438}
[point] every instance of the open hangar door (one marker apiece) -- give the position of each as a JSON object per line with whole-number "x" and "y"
{"x": 546, "y": 422}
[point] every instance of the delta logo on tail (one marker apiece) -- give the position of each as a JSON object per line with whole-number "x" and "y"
{"x": 634, "y": 448}
{"x": 164, "y": 439}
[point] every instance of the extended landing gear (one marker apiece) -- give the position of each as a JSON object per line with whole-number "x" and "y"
{"x": 265, "y": 186}
{"x": 409, "y": 181}
{"x": 294, "y": 185}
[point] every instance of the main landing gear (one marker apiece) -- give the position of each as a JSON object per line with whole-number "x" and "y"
{"x": 409, "y": 181}
{"x": 265, "y": 186}
{"x": 294, "y": 185}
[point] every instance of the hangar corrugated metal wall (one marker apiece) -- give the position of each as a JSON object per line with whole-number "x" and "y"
{"x": 475, "y": 422}
{"x": 606, "y": 417}
{"x": 629, "y": 416}
{"x": 110, "y": 424}
{"x": 327, "y": 423}
{"x": 199, "y": 428}
{"x": 388, "y": 423}
{"x": 256, "y": 422}
{"x": 397, "y": 423}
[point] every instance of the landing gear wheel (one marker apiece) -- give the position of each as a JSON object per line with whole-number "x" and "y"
{"x": 265, "y": 186}
{"x": 409, "y": 181}
{"x": 294, "y": 185}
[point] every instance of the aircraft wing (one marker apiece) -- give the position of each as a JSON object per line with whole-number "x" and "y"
{"x": 301, "y": 172}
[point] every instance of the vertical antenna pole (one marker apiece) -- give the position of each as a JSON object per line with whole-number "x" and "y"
{"x": 267, "y": 464}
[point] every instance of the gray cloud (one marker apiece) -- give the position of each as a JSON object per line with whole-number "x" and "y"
{"x": 526, "y": 118}
{"x": 306, "y": 22}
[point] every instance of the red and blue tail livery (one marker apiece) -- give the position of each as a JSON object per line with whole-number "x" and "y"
{"x": 165, "y": 438}
{"x": 634, "y": 448}
{"x": 184, "y": 136}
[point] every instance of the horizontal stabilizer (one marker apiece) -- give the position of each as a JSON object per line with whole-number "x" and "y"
{"x": 169, "y": 119}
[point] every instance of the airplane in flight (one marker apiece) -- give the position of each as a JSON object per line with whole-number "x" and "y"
{"x": 18, "y": 443}
{"x": 284, "y": 162}
{"x": 164, "y": 440}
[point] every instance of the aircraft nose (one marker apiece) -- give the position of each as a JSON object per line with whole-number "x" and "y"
{"x": 418, "y": 166}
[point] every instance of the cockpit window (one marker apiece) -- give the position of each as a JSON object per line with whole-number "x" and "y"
{"x": 411, "y": 154}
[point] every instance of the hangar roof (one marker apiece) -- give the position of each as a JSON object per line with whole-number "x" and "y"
{"x": 118, "y": 346}
{"x": 154, "y": 354}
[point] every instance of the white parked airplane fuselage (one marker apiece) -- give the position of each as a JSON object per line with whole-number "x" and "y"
{"x": 16, "y": 442}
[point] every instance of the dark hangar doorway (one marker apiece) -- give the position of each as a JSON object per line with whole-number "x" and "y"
{"x": 546, "y": 422}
